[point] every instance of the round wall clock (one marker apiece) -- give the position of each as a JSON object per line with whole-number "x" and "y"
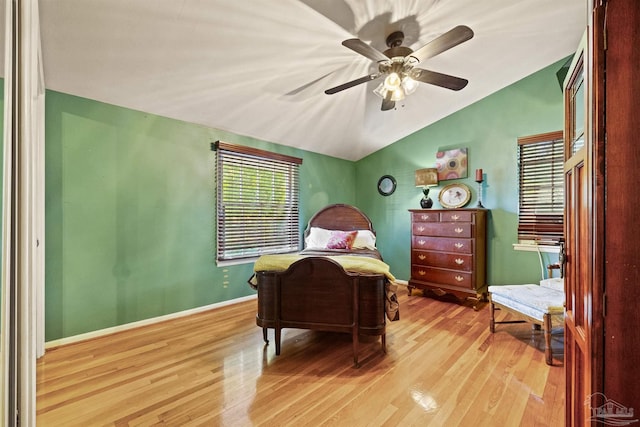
{"x": 386, "y": 185}
{"x": 454, "y": 195}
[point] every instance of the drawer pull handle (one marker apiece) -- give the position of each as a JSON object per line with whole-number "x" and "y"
{"x": 420, "y": 228}
{"x": 425, "y": 217}
{"x": 422, "y": 272}
{"x": 459, "y": 245}
{"x": 458, "y": 230}
{"x": 422, "y": 242}
{"x": 422, "y": 257}
{"x": 459, "y": 261}
{"x": 459, "y": 278}
{"x": 455, "y": 217}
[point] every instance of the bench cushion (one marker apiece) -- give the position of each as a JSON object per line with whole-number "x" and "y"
{"x": 532, "y": 300}
{"x": 556, "y": 283}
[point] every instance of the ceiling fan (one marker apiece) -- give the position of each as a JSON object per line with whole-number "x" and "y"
{"x": 398, "y": 65}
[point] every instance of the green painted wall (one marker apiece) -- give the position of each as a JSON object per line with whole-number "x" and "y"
{"x": 130, "y": 220}
{"x": 489, "y": 129}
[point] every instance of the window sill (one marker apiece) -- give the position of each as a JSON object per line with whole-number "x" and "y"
{"x": 248, "y": 260}
{"x": 236, "y": 262}
{"x": 530, "y": 247}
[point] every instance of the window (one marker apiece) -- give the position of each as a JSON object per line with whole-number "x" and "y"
{"x": 257, "y": 202}
{"x": 541, "y": 188}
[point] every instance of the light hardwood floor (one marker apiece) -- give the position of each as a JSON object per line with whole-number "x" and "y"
{"x": 442, "y": 368}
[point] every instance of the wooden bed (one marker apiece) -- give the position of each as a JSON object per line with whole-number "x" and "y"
{"x": 317, "y": 293}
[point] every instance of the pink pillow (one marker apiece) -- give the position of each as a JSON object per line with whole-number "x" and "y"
{"x": 341, "y": 239}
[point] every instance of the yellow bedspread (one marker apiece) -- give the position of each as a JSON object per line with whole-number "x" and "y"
{"x": 357, "y": 264}
{"x": 352, "y": 263}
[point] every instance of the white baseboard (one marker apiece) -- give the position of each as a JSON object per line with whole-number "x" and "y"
{"x": 145, "y": 322}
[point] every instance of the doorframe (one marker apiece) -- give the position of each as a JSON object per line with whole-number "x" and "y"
{"x": 23, "y": 216}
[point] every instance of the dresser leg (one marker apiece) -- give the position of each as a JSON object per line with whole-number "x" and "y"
{"x": 480, "y": 300}
{"x": 475, "y": 300}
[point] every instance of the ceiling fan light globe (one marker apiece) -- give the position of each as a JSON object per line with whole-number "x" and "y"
{"x": 409, "y": 85}
{"x": 381, "y": 91}
{"x": 392, "y": 81}
{"x": 398, "y": 94}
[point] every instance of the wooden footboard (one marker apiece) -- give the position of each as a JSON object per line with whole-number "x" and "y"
{"x": 318, "y": 294}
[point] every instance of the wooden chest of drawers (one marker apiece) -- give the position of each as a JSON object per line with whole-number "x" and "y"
{"x": 448, "y": 252}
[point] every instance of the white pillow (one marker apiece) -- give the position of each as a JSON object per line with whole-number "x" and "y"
{"x": 317, "y": 238}
{"x": 365, "y": 239}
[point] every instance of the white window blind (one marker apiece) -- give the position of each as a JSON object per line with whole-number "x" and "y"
{"x": 257, "y": 202}
{"x": 541, "y": 187}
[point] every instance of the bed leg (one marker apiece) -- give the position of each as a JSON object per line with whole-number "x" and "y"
{"x": 278, "y": 333}
{"x": 384, "y": 343}
{"x": 354, "y": 337}
{"x": 264, "y": 335}
{"x": 547, "y": 339}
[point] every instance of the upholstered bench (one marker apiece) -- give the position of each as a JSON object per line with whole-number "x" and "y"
{"x": 541, "y": 305}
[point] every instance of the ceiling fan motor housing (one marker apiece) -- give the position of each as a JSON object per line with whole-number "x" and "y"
{"x": 394, "y": 41}
{"x": 397, "y": 64}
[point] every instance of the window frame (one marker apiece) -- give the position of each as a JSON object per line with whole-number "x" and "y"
{"x": 257, "y": 203}
{"x": 540, "y": 196}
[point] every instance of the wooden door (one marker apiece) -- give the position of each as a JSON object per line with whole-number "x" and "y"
{"x": 602, "y": 339}
{"x": 577, "y": 251}
{"x": 620, "y": 141}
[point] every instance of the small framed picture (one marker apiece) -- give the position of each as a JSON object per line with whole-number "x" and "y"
{"x": 452, "y": 164}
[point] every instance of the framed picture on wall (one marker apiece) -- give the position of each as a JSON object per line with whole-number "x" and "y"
{"x": 451, "y": 164}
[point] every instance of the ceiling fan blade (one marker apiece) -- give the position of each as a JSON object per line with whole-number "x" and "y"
{"x": 439, "y": 79}
{"x": 387, "y": 103}
{"x": 446, "y": 41}
{"x": 352, "y": 83}
{"x": 364, "y": 49}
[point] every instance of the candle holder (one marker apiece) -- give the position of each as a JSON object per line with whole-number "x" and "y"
{"x": 479, "y": 180}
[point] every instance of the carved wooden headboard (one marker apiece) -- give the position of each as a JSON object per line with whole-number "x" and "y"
{"x": 340, "y": 217}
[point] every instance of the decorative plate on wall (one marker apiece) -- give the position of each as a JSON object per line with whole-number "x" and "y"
{"x": 454, "y": 195}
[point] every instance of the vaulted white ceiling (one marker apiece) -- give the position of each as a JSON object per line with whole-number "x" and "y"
{"x": 260, "y": 67}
